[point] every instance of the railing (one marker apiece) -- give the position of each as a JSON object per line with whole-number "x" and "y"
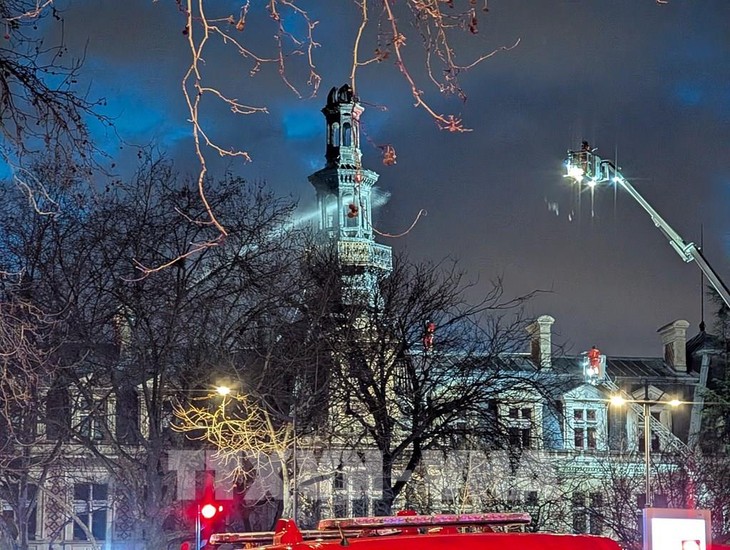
{"x": 365, "y": 253}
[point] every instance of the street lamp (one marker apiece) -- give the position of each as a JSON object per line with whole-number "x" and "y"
{"x": 223, "y": 391}
{"x": 619, "y": 400}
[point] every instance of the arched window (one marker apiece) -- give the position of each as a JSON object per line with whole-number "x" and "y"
{"x": 335, "y": 134}
{"x": 346, "y": 134}
{"x": 352, "y": 211}
{"x": 330, "y": 212}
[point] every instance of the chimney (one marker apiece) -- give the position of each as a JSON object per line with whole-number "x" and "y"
{"x": 541, "y": 340}
{"x": 674, "y": 340}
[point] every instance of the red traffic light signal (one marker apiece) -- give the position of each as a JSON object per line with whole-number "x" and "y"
{"x": 208, "y": 511}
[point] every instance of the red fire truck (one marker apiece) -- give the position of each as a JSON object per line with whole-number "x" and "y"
{"x": 412, "y": 532}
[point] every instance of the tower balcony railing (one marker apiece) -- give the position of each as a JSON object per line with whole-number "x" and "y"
{"x": 365, "y": 253}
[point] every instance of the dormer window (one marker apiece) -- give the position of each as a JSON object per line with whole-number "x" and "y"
{"x": 91, "y": 417}
{"x": 586, "y": 419}
{"x": 585, "y": 428}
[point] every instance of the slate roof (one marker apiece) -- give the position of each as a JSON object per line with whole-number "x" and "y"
{"x": 635, "y": 367}
{"x": 703, "y": 341}
{"x": 652, "y": 369}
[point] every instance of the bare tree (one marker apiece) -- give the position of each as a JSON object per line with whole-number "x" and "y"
{"x": 253, "y": 445}
{"x": 125, "y": 345}
{"x": 42, "y": 107}
{"x": 414, "y": 364}
{"x": 25, "y": 456}
{"x": 29, "y": 364}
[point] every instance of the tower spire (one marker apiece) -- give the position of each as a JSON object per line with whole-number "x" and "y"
{"x": 344, "y": 198}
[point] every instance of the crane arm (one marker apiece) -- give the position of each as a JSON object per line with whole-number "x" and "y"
{"x": 582, "y": 165}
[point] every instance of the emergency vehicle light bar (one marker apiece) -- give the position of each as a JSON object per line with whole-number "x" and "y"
{"x": 335, "y": 528}
{"x": 425, "y": 521}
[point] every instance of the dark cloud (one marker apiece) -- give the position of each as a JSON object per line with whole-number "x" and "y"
{"x": 648, "y": 84}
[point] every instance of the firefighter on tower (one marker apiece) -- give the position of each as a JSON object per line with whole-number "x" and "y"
{"x": 428, "y": 332}
{"x": 594, "y": 361}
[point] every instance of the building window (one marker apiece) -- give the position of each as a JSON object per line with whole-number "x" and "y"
{"x": 91, "y": 417}
{"x": 587, "y": 514}
{"x": 519, "y": 427}
{"x": 585, "y": 428}
{"x": 448, "y": 497}
{"x": 351, "y": 211}
{"x": 127, "y": 412}
{"x": 339, "y": 508}
{"x": 513, "y": 499}
{"x": 90, "y": 508}
{"x": 9, "y": 516}
{"x": 58, "y": 413}
{"x": 595, "y": 514}
{"x": 360, "y": 506}
{"x": 339, "y": 480}
{"x": 346, "y": 134}
{"x": 655, "y": 442}
{"x": 351, "y": 493}
{"x": 579, "y": 513}
{"x": 330, "y": 212}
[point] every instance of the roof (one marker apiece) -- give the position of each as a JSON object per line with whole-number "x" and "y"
{"x": 703, "y": 341}
{"x": 636, "y": 367}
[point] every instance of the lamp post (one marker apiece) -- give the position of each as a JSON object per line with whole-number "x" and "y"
{"x": 295, "y": 484}
{"x": 197, "y": 527}
{"x": 647, "y": 455}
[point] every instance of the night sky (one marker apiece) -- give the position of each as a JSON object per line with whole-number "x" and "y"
{"x": 646, "y": 83}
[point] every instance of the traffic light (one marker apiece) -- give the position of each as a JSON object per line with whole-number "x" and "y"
{"x": 210, "y": 510}
{"x": 208, "y": 514}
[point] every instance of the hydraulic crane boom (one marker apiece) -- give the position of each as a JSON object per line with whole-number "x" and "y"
{"x": 585, "y": 166}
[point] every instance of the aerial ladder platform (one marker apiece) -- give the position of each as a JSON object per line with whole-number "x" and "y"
{"x": 585, "y": 167}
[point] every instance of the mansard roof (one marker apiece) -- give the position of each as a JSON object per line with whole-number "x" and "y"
{"x": 617, "y": 367}
{"x": 704, "y": 341}
{"x": 639, "y": 367}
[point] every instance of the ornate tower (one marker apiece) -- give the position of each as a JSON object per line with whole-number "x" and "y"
{"x": 344, "y": 192}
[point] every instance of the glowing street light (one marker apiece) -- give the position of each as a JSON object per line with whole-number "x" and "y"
{"x": 617, "y": 400}
{"x": 223, "y": 390}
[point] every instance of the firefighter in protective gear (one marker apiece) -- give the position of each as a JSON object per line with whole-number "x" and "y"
{"x": 594, "y": 361}
{"x": 428, "y": 331}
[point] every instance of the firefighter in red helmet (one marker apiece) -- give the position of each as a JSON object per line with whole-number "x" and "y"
{"x": 594, "y": 360}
